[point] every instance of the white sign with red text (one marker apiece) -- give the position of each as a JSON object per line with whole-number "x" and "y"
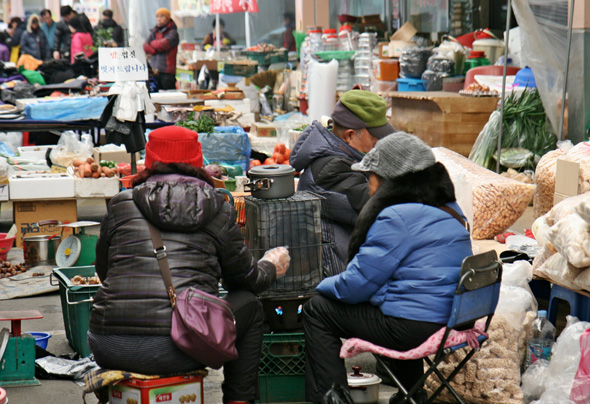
{"x": 122, "y": 64}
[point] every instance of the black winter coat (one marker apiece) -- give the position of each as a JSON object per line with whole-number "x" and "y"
{"x": 203, "y": 244}
{"x": 326, "y": 162}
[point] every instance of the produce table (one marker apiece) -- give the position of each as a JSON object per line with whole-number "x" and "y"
{"x": 442, "y": 118}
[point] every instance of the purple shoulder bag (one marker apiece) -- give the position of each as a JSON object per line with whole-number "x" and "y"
{"x": 203, "y": 326}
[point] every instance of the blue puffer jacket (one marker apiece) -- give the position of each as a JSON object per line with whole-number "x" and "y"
{"x": 408, "y": 265}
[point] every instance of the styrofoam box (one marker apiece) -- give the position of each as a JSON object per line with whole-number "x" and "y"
{"x": 33, "y": 152}
{"x": 95, "y": 187}
{"x": 41, "y": 186}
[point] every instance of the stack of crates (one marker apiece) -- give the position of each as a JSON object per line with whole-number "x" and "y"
{"x": 282, "y": 368}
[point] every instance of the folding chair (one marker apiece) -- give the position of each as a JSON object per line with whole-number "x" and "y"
{"x": 476, "y": 297}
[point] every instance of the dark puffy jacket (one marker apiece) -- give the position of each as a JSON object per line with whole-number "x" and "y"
{"x": 162, "y": 44}
{"x": 35, "y": 44}
{"x": 116, "y": 33}
{"x": 325, "y": 160}
{"x": 62, "y": 39}
{"x": 203, "y": 244}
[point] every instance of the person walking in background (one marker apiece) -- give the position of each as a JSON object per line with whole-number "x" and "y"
{"x": 288, "y": 38}
{"x": 81, "y": 39}
{"x": 13, "y": 34}
{"x": 33, "y": 42}
{"x": 116, "y": 32}
{"x": 48, "y": 26}
{"x": 162, "y": 46}
{"x": 63, "y": 36}
{"x": 226, "y": 39}
{"x": 62, "y": 42}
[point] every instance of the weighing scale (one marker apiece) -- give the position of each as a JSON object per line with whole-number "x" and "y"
{"x": 79, "y": 249}
{"x": 17, "y": 351}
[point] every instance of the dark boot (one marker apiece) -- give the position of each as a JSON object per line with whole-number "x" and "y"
{"x": 398, "y": 398}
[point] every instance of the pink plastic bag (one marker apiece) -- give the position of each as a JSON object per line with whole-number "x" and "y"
{"x": 581, "y": 387}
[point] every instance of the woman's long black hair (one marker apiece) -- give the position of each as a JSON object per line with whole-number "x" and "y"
{"x": 431, "y": 186}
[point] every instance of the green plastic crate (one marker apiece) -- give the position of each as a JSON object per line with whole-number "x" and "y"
{"x": 281, "y": 56}
{"x": 245, "y": 70}
{"x": 263, "y": 58}
{"x": 76, "y": 301}
{"x": 338, "y": 55}
{"x": 282, "y": 368}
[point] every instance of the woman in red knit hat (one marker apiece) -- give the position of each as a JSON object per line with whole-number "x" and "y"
{"x": 131, "y": 316}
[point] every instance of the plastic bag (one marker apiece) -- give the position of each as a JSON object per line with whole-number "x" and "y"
{"x": 571, "y": 238}
{"x": 581, "y": 388}
{"x": 497, "y": 201}
{"x": 228, "y": 145}
{"x": 413, "y": 61}
{"x": 553, "y": 383}
{"x": 68, "y": 148}
{"x": 492, "y": 375}
{"x": 545, "y": 174}
{"x": 337, "y": 395}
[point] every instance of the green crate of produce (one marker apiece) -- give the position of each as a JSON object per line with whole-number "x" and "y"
{"x": 281, "y": 56}
{"x": 240, "y": 69}
{"x": 263, "y": 58}
{"x": 282, "y": 368}
{"x": 76, "y": 301}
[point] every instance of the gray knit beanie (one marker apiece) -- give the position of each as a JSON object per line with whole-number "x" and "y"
{"x": 396, "y": 155}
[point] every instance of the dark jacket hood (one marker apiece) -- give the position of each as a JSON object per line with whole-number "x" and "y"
{"x": 108, "y": 23}
{"x": 177, "y": 203}
{"x": 317, "y": 141}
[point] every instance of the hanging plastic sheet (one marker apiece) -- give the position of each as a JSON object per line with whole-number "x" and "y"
{"x": 544, "y": 45}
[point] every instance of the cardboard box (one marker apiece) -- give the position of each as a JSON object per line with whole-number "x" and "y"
{"x": 27, "y": 185}
{"x": 402, "y": 39}
{"x": 198, "y": 65}
{"x": 566, "y": 180}
{"x": 384, "y": 50}
{"x": 263, "y": 130}
{"x": 442, "y": 118}
{"x": 26, "y": 213}
{"x": 118, "y": 156}
{"x": 309, "y": 13}
{"x": 397, "y": 47}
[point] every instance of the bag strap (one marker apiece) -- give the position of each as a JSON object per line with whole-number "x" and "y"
{"x": 454, "y": 213}
{"x": 161, "y": 256}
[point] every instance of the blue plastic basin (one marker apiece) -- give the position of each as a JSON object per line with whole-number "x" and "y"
{"x": 41, "y": 338}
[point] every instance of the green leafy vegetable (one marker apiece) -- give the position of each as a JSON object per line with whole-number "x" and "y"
{"x": 204, "y": 124}
{"x": 525, "y": 126}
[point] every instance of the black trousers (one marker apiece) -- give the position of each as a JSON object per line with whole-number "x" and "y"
{"x": 166, "y": 81}
{"x": 326, "y": 321}
{"x": 155, "y": 354}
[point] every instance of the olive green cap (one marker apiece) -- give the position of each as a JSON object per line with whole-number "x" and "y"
{"x": 360, "y": 109}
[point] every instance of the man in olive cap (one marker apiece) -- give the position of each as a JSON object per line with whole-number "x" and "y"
{"x": 326, "y": 156}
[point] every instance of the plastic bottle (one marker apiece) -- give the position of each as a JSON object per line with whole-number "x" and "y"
{"x": 345, "y": 38}
{"x": 539, "y": 347}
{"x": 330, "y": 41}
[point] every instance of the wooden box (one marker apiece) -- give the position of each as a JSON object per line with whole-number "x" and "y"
{"x": 442, "y": 118}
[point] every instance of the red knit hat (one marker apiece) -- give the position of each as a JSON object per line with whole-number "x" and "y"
{"x": 173, "y": 144}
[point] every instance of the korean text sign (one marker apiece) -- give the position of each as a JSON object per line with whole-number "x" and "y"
{"x": 122, "y": 64}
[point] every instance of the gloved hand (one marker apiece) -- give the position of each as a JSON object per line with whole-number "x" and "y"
{"x": 207, "y": 47}
{"x": 226, "y": 41}
{"x": 279, "y": 257}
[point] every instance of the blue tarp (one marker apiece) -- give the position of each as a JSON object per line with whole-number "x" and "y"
{"x": 64, "y": 109}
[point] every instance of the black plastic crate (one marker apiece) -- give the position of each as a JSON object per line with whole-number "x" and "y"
{"x": 294, "y": 222}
